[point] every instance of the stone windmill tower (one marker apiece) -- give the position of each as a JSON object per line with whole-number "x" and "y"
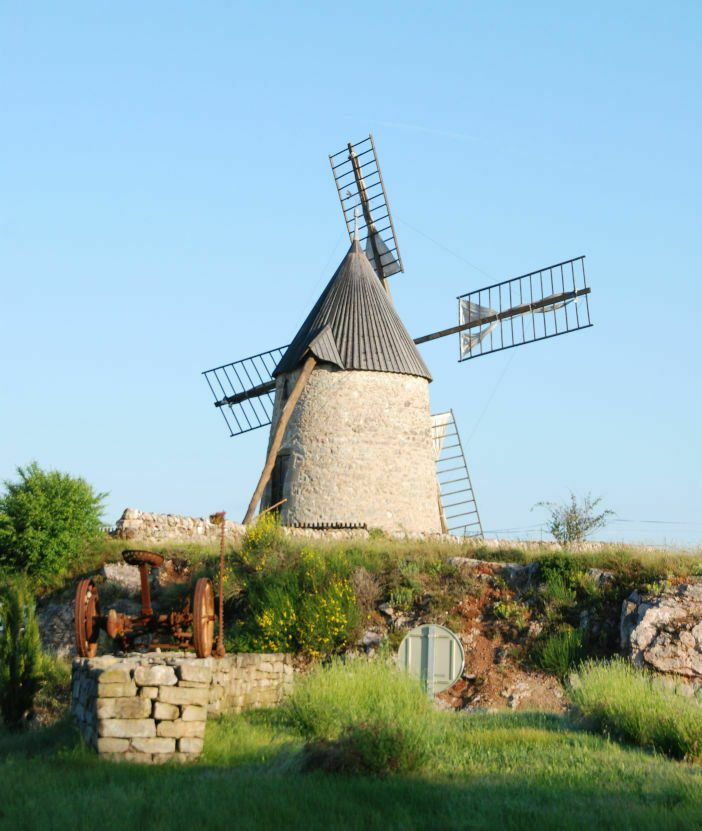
{"x": 352, "y": 440}
{"x": 357, "y": 448}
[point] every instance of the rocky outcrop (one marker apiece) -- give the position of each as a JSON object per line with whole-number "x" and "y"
{"x": 56, "y": 629}
{"x": 663, "y": 631}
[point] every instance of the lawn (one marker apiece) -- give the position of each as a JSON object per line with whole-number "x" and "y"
{"x": 485, "y": 771}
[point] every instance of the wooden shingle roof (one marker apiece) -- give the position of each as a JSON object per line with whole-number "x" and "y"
{"x": 355, "y": 326}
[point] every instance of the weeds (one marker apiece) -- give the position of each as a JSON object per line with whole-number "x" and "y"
{"x": 627, "y": 703}
{"x": 511, "y": 611}
{"x": 361, "y": 717}
{"x": 558, "y": 652}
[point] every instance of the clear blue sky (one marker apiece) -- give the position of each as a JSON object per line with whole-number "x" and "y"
{"x": 168, "y": 206}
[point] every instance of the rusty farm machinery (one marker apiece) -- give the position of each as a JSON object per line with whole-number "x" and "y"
{"x": 185, "y": 627}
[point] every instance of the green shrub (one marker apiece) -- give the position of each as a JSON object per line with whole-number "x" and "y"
{"x": 305, "y": 606}
{"x": 20, "y": 654}
{"x": 572, "y": 521}
{"x": 375, "y": 749}
{"x": 511, "y": 611}
{"x": 402, "y": 598}
{"x": 47, "y": 519}
{"x": 559, "y": 651}
{"x": 552, "y": 566}
{"x": 341, "y": 694}
{"x": 631, "y": 704}
{"x": 261, "y": 541}
{"x": 557, "y": 591}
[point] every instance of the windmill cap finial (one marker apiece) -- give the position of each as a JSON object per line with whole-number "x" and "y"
{"x": 355, "y": 224}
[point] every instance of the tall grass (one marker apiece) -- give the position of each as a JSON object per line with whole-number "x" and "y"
{"x": 361, "y": 717}
{"x": 334, "y": 697}
{"x": 620, "y": 700}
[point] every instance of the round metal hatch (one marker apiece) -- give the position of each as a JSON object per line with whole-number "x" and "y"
{"x": 432, "y": 654}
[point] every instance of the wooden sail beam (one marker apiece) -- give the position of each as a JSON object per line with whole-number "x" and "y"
{"x": 307, "y": 368}
{"x": 515, "y": 311}
{"x": 254, "y": 392}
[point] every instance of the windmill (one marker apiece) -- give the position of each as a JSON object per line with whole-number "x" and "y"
{"x": 352, "y": 441}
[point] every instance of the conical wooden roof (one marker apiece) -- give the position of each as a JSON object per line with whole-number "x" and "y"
{"x": 355, "y": 326}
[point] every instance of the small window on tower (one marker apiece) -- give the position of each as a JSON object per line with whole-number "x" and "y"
{"x": 285, "y": 392}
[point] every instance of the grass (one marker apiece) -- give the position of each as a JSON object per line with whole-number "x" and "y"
{"x": 618, "y": 699}
{"x": 510, "y": 771}
{"x": 478, "y": 771}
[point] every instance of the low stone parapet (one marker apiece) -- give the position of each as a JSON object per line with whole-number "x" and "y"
{"x": 153, "y": 707}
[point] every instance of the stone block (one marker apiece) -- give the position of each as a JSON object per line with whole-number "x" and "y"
{"x": 135, "y": 756}
{"x": 129, "y": 708}
{"x": 181, "y": 729}
{"x": 191, "y": 713}
{"x": 148, "y": 692}
{"x": 110, "y": 745}
{"x": 126, "y": 728}
{"x": 155, "y": 675}
{"x": 116, "y": 690}
{"x": 184, "y": 695}
{"x": 190, "y": 745}
{"x": 195, "y": 670}
{"x": 194, "y": 685}
{"x": 116, "y": 674}
{"x": 165, "y": 712}
{"x": 154, "y": 745}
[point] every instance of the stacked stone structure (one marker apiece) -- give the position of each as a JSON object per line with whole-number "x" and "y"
{"x": 358, "y": 445}
{"x": 153, "y": 707}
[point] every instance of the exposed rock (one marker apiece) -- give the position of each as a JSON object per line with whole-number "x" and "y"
{"x": 601, "y": 576}
{"x": 370, "y": 640}
{"x": 123, "y": 575}
{"x": 664, "y": 631}
{"x": 516, "y": 575}
{"x": 519, "y": 576}
{"x": 56, "y": 629}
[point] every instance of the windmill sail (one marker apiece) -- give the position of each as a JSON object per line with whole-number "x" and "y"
{"x": 542, "y": 304}
{"x": 375, "y": 243}
{"x": 244, "y": 390}
{"x": 469, "y": 312}
{"x": 360, "y": 184}
{"x": 459, "y": 511}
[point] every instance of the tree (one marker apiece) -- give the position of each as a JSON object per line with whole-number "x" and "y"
{"x": 573, "y": 521}
{"x": 47, "y": 519}
{"x": 20, "y": 654}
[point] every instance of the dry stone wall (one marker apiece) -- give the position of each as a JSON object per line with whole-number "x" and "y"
{"x": 154, "y": 707}
{"x": 150, "y": 527}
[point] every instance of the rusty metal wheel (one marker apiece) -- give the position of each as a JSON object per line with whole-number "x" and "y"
{"x": 137, "y": 558}
{"x": 86, "y": 612}
{"x": 203, "y": 618}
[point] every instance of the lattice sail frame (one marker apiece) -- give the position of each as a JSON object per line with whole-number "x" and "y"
{"x": 455, "y": 486}
{"x": 359, "y": 183}
{"x": 542, "y": 304}
{"x": 244, "y": 390}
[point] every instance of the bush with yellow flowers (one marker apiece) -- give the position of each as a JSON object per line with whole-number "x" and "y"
{"x": 304, "y": 605}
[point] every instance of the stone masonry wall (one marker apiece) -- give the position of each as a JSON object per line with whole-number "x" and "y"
{"x": 147, "y": 527}
{"x": 360, "y": 451}
{"x": 150, "y": 527}
{"x": 153, "y": 707}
